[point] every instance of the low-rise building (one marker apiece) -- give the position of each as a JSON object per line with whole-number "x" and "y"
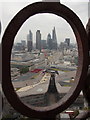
{"x": 15, "y": 72}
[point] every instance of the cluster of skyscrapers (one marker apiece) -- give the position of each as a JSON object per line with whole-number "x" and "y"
{"x": 50, "y": 43}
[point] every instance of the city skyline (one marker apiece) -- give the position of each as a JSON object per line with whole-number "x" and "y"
{"x": 44, "y": 22}
{"x": 50, "y": 43}
{"x": 29, "y": 37}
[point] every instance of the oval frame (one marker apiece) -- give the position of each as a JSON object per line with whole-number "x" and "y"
{"x": 7, "y": 43}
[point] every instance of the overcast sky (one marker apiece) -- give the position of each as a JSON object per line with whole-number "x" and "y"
{"x": 44, "y": 22}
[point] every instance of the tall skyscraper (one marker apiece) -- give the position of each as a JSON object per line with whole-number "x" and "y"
{"x": 49, "y": 41}
{"x": 38, "y": 40}
{"x": 43, "y": 44}
{"x": 29, "y": 41}
{"x": 67, "y": 41}
{"x": 54, "y": 38}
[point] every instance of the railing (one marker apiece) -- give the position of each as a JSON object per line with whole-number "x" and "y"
{"x": 82, "y": 79}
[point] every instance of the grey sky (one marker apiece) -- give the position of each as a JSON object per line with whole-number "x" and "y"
{"x": 44, "y": 22}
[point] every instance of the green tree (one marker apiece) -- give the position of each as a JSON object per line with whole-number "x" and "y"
{"x": 24, "y": 70}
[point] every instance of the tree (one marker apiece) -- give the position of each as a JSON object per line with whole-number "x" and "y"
{"x": 24, "y": 70}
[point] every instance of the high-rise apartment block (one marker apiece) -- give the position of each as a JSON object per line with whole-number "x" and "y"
{"x": 49, "y": 42}
{"x": 54, "y": 38}
{"x": 29, "y": 41}
{"x": 67, "y": 41}
{"x": 38, "y": 40}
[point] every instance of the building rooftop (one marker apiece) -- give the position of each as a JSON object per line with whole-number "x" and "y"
{"x": 41, "y": 88}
